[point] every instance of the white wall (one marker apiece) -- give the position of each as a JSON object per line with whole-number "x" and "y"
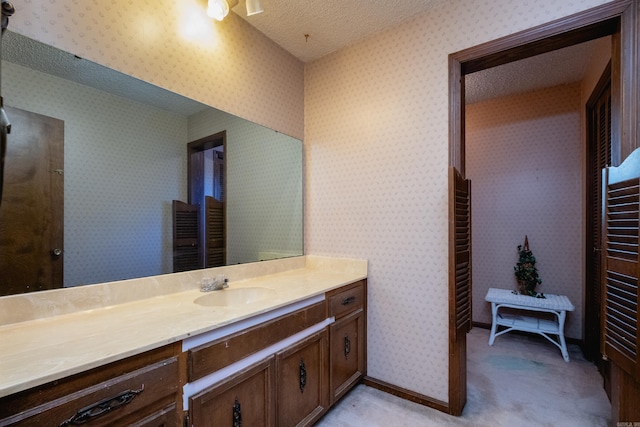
{"x": 376, "y": 143}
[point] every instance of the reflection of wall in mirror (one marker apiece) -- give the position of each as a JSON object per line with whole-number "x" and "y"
{"x": 111, "y": 225}
{"x": 264, "y": 170}
{"x": 117, "y": 172}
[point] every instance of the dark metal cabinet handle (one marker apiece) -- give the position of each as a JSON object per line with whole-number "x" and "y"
{"x": 347, "y": 346}
{"x": 349, "y": 300}
{"x": 102, "y": 407}
{"x": 303, "y": 376}
{"x": 237, "y": 414}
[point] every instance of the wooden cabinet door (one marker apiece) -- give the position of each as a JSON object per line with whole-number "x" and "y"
{"x": 346, "y": 360}
{"x": 301, "y": 382}
{"x": 245, "y": 398}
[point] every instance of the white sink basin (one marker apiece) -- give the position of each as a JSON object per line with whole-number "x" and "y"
{"x": 234, "y": 296}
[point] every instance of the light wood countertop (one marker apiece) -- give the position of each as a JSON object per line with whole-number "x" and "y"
{"x": 43, "y": 349}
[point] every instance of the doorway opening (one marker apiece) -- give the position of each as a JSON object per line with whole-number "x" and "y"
{"x": 199, "y": 225}
{"x": 592, "y": 24}
{"x": 207, "y": 189}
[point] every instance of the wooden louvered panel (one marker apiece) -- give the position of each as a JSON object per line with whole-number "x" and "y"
{"x": 186, "y": 245}
{"x": 463, "y": 250}
{"x": 622, "y": 220}
{"x": 463, "y": 297}
{"x": 622, "y": 264}
{"x": 185, "y": 258}
{"x": 186, "y": 226}
{"x": 599, "y": 157}
{"x": 461, "y": 266}
{"x": 215, "y": 233}
{"x": 459, "y": 287}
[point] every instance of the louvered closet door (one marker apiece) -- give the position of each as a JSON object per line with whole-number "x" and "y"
{"x": 461, "y": 262}
{"x": 215, "y": 233}
{"x": 186, "y": 245}
{"x": 621, "y": 264}
{"x": 459, "y": 287}
{"x": 599, "y": 157}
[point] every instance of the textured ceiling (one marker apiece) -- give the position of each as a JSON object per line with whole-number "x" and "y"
{"x": 330, "y": 24}
{"x": 554, "y": 68}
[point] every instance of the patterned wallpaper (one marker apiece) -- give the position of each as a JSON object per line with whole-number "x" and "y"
{"x": 376, "y": 144}
{"x": 525, "y": 162}
{"x": 120, "y": 175}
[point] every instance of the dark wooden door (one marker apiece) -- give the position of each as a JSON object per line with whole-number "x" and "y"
{"x": 598, "y": 158}
{"x": 459, "y": 287}
{"x": 31, "y": 214}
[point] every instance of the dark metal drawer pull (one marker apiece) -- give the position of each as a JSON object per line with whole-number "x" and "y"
{"x": 105, "y": 406}
{"x": 349, "y": 300}
{"x": 237, "y": 414}
{"x": 303, "y": 376}
{"x": 347, "y": 346}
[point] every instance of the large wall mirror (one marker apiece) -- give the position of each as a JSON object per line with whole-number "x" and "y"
{"x": 125, "y": 162}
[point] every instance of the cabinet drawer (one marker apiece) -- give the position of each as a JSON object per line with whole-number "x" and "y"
{"x": 90, "y": 398}
{"x": 216, "y": 355}
{"x": 347, "y": 300}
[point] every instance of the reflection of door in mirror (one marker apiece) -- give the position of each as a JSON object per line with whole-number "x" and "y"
{"x": 186, "y": 242}
{"x": 206, "y": 188}
{"x": 31, "y": 213}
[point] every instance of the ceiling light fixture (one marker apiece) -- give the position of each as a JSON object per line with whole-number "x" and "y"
{"x": 218, "y": 9}
{"x": 254, "y": 7}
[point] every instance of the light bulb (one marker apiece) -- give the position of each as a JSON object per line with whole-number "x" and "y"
{"x": 217, "y": 9}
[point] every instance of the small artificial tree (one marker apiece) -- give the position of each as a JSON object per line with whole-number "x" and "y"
{"x": 526, "y": 272}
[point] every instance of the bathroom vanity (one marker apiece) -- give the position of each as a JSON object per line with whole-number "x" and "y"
{"x": 279, "y": 347}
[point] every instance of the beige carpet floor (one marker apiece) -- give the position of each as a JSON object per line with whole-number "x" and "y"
{"x": 521, "y": 381}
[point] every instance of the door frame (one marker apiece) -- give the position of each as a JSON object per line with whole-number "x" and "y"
{"x": 202, "y": 144}
{"x": 618, "y": 18}
{"x": 218, "y": 139}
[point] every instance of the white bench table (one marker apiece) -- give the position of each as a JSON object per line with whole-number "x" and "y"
{"x": 555, "y": 304}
